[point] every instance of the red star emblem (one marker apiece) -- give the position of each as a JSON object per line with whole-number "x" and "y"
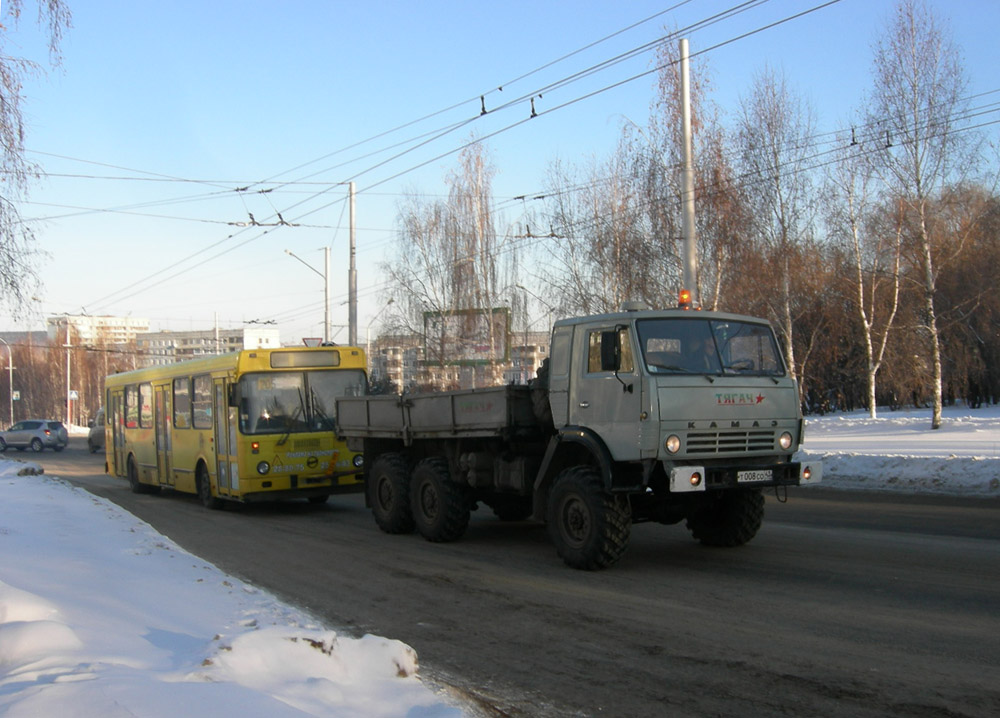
{"x": 760, "y": 398}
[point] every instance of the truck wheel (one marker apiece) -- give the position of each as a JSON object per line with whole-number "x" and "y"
{"x": 729, "y": 519}
{"x": 388, "y": 487}
{"x": 589, "y": 527}
{"x": 441, "y": 507}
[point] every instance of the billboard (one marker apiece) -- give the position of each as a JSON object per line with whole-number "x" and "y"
{"x": 467, "y": 337}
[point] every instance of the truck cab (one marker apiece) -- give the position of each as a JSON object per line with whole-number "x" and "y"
{"x": 679, "y": 389}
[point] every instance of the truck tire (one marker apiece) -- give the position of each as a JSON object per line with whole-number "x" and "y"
{"x": 388, "y": 487}
{"x": 441, "y": 507}
{"x": 589, "y": 527}
{"x": 729, "y": 519}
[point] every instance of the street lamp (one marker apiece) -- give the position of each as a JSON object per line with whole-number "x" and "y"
{"x": 10, "y": 370}
{"x": 326, "y": 287}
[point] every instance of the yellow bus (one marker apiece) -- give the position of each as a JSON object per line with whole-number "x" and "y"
{"x": 253, "y": 425}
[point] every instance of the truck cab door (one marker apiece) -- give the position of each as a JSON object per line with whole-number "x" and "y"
{"x": 605, "y": 388}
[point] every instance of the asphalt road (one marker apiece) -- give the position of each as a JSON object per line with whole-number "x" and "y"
{"x": 846, "y": 604}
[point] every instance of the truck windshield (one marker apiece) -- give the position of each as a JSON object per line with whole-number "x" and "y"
{"x": 294, "y": 402}
{"x": 708, "y": 346}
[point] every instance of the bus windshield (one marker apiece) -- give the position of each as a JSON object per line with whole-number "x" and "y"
{"x": 294, "y": 402}
{"x": 708, "y": 346}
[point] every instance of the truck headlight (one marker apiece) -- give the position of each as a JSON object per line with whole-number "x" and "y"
{"x": 672, "y": 444}
{"x": 785, "y": 441}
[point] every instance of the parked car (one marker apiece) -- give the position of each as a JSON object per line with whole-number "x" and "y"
{"x": 35, "y": 434}
{"x": 95, "y": 439}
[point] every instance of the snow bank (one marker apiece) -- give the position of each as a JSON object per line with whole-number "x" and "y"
{"x": 101, "y": 615}
{"x": 898, "y": 451}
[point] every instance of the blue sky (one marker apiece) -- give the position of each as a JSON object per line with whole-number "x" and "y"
{"x": 162, "y": 110}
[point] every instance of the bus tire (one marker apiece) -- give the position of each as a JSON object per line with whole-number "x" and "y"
{"x": 589, "y": 526}
{"x": 729, "y": 519}
{"x": 134, "y": 484}
{"x": 204, "y": 484}
{"x": 441, "y": 507}
{"x": 388, "y": 487}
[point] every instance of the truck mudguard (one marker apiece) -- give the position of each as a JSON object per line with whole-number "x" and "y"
{"x": 556, "y": 457}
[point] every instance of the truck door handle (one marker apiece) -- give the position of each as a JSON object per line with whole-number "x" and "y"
{"x": 584, "y": 404}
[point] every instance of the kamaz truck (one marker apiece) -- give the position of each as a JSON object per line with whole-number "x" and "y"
{"x": 668, "y": 416}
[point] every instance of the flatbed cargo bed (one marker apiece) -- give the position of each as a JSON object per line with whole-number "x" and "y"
{"x": 494, "y": 411}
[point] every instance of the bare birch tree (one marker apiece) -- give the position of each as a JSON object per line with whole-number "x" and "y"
{"x": 451, "y": 259}
{"x": 874, "y": 246}
{"x": 918, "y": 91}
{"x": 774, "y": 139}
{"x": 18, "y": 273}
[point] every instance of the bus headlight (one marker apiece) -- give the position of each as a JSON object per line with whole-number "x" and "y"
{"x": 263, "y": 467}
{"x": 672, "y": 444}
{"x": 358, "y": 461}
{"x": 785, "y": 441}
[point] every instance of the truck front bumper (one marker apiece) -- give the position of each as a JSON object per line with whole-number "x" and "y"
{"x": 703, "y": 478}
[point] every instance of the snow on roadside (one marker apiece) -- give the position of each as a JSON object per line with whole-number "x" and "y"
{"x": 102, "y": 615}
{"x": 898, "y": 451}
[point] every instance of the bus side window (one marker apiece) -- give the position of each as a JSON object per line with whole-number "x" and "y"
{"x": 182, "y": 403}
{"x": 131, "y": 407}
{"x": 202, "y": 402}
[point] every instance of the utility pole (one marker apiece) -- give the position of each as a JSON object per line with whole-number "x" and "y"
{"x": 326, "y": 295}
{"x": 352, "y": 282}
{"x": 69, "y": 402}
{"x": 10, "y": 386}
{"x": 690, "y": 273}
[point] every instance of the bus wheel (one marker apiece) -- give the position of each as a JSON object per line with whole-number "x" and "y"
{"x": 441, "y": 507}
{"x": 204, "y": 483}
{"x": 388, "y": 487}
{"x": 134, "y": 484}
{"x": 589, "y": 527}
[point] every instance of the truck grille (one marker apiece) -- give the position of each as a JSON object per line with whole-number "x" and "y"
{"x": 725, "y": 442}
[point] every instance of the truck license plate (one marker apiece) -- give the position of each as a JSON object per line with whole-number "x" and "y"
{"x": 747, "y": 477}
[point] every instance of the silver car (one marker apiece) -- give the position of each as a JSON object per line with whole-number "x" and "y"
{"x": 35, "y": 434}
{"x": 95, "y": 437}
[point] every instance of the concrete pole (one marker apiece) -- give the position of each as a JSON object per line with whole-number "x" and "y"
{"x": 69, "y": 403}
{"x": 326, "y": 295}
{"x": 690, "y": 274}
{"x": 10, "y": 371}
{"x": 352, "y": 282}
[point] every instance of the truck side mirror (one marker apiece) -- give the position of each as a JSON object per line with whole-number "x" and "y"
{"x": 611, "y": 351}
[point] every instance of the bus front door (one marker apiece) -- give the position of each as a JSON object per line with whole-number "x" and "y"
{"x": 117, "y": 410}
{"x": 164, "y": 437}
{"x": 225, "y": 443}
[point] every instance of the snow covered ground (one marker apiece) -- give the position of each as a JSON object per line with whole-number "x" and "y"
{"x": 101, "y": 615}
{"x": 899, "y": 452}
